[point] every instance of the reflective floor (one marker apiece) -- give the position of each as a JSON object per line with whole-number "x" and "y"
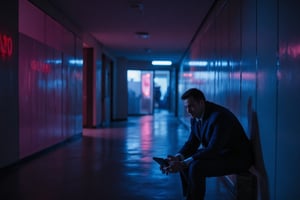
{"x": 107, "y": 164}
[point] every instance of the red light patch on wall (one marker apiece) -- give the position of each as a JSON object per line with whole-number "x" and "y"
{"x": 6, "y": 46}
{"x": 40, "y": 66}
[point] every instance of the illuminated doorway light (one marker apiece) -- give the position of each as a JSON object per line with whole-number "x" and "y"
{"x": 198, "y": 63}
{"x": 162, "y": 62}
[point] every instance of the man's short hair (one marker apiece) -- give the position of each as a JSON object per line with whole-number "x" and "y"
{"x": 194, "y": 93}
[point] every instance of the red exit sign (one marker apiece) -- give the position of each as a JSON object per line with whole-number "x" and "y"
{"x": 6, "y": 46}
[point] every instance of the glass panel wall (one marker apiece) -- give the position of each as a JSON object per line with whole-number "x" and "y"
{"x": 162, "y": 89}
{"x": 140, "y": 92}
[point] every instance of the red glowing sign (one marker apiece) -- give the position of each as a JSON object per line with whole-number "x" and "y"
{"x": 187, "y": 75}
{"x": 6, "y": 46}
{"x": 40, "y": 66}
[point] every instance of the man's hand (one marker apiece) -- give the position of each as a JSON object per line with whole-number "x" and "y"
{"x": 173, "y": 158}
{"x": 175, "y": 165}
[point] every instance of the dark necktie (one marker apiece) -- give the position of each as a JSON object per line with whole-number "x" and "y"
{"x": 199, "y": 124}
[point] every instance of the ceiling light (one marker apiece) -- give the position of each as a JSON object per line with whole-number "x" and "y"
{"x": 142, "y": 35}
{"x": 137, "y": 5}
{"x": 162, "y": 62}
{"x": 198, "y": 63}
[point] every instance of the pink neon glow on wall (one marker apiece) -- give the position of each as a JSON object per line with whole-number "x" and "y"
{"x": 146, "y": 90}
{"x": 292, "y": 50}
{"x": 187, "y": 75}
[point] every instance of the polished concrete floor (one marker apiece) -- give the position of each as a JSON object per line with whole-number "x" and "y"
{"x": 112, "y": 163}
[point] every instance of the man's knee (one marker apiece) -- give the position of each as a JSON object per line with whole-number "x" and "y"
{"x": 196, "y": 171}
{"x": 203, "y": 168}
{"x": 196, "y": 168}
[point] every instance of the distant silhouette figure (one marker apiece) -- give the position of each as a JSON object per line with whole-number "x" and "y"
{"x": 157, "y": 96}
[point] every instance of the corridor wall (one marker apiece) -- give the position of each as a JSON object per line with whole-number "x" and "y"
{"x": 245, "y": 56}
{"x": 41, "y": 82}
{"x": 9, "y": 115}
{"x": 50, "y": 81}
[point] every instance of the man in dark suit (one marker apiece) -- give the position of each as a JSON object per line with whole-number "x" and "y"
{"x": 217, "y": 145}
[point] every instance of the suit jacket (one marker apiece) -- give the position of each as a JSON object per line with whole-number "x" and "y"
{"x": 221, "y": 135}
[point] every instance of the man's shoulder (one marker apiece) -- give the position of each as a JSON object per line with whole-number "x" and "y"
{"x": 214, "y": 107}
{"x": 214, "y": 110}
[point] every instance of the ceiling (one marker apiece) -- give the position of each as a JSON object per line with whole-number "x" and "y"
{"x": 171, "y": 25}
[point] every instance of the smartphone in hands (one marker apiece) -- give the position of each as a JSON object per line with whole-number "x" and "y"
{"x": 161, "y": 161}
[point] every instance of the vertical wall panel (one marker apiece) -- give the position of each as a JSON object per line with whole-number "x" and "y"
{"x": 25, "y": 100}
{"x": 222, "y": 80}
{"x": 38, "y": 119}
{"x": 120, "y": 111}
{"x": 248, "y": 59}
{"x": 288, "y": 161}
{"x": 262, "y": 77}
{"x": 67, "y": 102}
{"x": 98, "y": 65}
{"x": 65, "y": 97}
{"x": 54, "y": 33}
{"x": 9, "y": 82}
{"x": 233, "y": 59}
{"x": 31, "y": 21}
{"x": 50, "y": 82}
{"x": 267, "y": 88}
{"x": 79, "y": 81}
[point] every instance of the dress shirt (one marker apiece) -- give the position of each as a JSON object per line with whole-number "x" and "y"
{"x": 187, "y": 161}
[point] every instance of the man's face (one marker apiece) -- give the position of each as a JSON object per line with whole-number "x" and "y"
{"x": 193, "y": 107}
